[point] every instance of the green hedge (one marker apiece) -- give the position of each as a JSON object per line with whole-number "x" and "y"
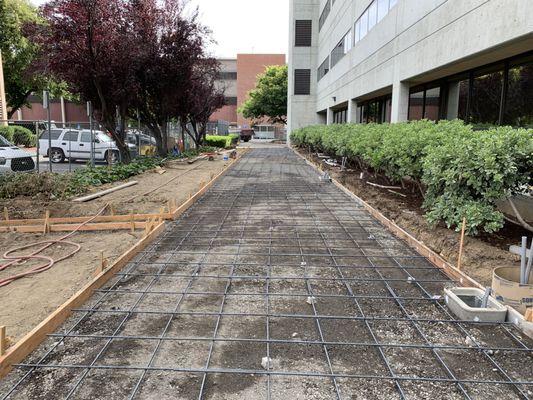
{"x": 7, "y": 132}
{"x": 223, "y": 142}
{"x": 461, "y": 172}
{"x": 19, "y": 135}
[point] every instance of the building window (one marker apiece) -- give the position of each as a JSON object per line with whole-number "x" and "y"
{"x": 302, "y": 82}
{"x": 323, "y": 69}
{"x": 227, "y": 76}
{"x": 303, "y": 33}
{"x": 374, "y": 13}
{"x": 324, "y": 15}
{"x": 519, "y": 99}
{"x": 432, "y": 104}
{"x": 377, "y": 110}
{"x": 498, "y": 94}
{"x": 340, "y": 116}
{"x": 486, "y": 98}
{"x": 425, "y": 103}
{"x": 342, "y": 48}
{"x": 231, "y": 101}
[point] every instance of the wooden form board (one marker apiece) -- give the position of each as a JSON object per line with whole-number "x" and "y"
{"x": 104, "y": 226}
{"x": 450, "y": 270}
{"x": 79, "y": 220}
{"x": 28, "y": 343}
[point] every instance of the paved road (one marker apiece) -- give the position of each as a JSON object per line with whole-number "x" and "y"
{"x": 275, "y": 285}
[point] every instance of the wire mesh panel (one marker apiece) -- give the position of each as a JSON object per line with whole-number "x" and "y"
{"x": 275, "y": 285}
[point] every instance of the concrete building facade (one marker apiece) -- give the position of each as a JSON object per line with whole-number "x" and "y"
{"x": 395, "y": 60}
{"x": 238, "y": 77}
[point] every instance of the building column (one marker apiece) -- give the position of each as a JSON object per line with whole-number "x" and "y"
{"x": 352, "y": 117}
{"x": 400, "y": 102}
{"x": 452, "y": 111}
{"x": 329, "y": 118}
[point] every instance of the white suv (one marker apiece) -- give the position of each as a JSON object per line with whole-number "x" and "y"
{"x": 76, "y": 145}
{"x": 13, "y": 159}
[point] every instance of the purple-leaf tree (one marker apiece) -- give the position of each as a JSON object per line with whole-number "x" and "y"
{"x": 86, "y": 44}
{"x": 205, "y": 95}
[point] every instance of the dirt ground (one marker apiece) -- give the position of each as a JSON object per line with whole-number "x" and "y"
{"x": 185, "y": 179}
{"x": 26, "y": 302}
{"x": 480, "y": 256}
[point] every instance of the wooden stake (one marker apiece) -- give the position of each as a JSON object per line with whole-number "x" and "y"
{"x": 132, "y": 223}
{"x": 529, "y": 314}
{"x": 161, "y": 212}
{"x": 46, "y": 227}
{"x": 3, "y": 343}
{"x": 103, "y": 261}
{"x": 169, "y": 206}
{"x": 6, "y": 214}
{"x": 112, "y": 209}
{"x": 461, "y": 243}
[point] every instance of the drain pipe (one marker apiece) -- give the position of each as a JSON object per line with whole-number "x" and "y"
{"x": 485, "y": 298}
{"x": 529, "y": 263}
{"x": 523, "y": 252}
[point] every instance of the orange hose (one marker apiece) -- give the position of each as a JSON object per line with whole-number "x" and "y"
{"x": 18, "y": 259}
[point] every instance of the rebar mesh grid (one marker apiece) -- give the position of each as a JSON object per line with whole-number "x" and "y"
{"x": 272, "y": 265}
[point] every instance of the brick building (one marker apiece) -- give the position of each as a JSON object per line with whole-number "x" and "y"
{"x": 239, "y": 76}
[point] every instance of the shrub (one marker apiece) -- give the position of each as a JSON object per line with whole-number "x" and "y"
{"x": 223, "y": 142}
{"x": 7, "y": 132}
{"x": 23, "y": 137}
{"x": 461, "y": 172}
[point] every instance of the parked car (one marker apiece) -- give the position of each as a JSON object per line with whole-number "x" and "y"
{"x": 246, "y": 134}
{"x": 13, "y": 159}
{"x": 76, "y": 145}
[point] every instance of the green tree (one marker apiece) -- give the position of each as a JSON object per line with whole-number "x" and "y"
{"x": 18, "y": 54}
{"x": 269, "y": 98}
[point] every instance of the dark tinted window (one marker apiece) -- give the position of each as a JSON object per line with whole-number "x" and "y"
{"x": 86, "y": 137}
{"x": 324, "y": 15}
{"x": 228, "y": 76}
{"x": 231, "y": 101}
{"x": 302, "y": 81}
{"x": 303, "y": 32}
{"x": 55, "y": 134}
{"x": 519, "y": 105}
{"x": 323, "y": 69}
{"x": 486, "y": 98}
{"x": 71, "y": 136}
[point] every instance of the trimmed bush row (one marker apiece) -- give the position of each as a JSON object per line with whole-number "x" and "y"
{"x": 19, "y": 135}
{"x": 459, "y": 171}
{"x": 223, "y": 142}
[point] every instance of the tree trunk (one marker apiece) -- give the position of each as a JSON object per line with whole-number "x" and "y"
{"x": 163, "y": 148}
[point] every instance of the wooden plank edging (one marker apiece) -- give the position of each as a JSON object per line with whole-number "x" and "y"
{"x": 449, "y": 269}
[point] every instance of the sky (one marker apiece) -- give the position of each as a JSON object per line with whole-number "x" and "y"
{"x": 243, "y": 26}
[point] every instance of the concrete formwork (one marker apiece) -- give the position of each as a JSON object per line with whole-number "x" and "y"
{"x": 274, "y": 263}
